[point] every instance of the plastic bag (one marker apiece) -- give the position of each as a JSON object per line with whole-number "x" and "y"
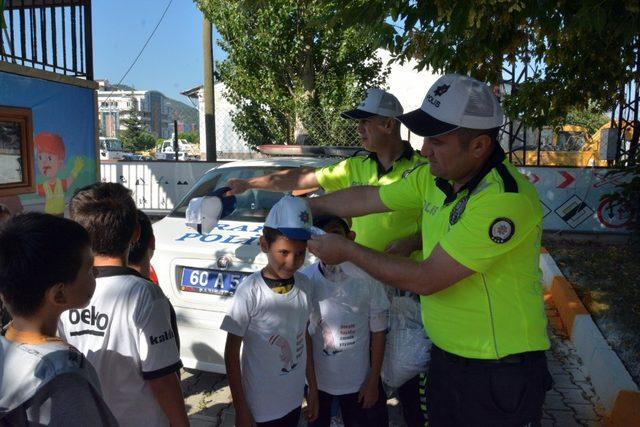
{"x": 407, "y": 349}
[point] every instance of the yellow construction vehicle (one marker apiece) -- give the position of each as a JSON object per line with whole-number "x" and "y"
{"x": 568, "y": 145}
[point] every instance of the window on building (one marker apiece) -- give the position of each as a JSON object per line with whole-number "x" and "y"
{"x": 16, "y": 151}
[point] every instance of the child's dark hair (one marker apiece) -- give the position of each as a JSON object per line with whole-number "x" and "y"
{"x": 322, "y": 221}
{"x": 271, "y": 235}
{"x": 139, "y": 249}
{"x": 4, "y": 210}
{"x": 38, "y": 251}
{"x": 107, "y": 211}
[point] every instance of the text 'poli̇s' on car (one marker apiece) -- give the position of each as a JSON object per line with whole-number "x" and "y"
{"x": 200, "y": 272}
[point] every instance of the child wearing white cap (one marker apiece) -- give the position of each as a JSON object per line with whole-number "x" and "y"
{"x": 269, "y": 317}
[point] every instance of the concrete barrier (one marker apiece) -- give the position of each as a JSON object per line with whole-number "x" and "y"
{"x": 610, "y": 379}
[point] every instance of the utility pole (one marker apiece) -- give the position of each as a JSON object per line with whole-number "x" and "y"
{"x": 176, "y": 146}
{"x": 209, "y": 97}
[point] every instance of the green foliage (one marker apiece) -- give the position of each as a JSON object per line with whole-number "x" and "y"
{"x": 135, "y": 137}
{"x": 589, "y": 118}
{"x": 291, "y": 65}
{"x": 191, "y": 137}
{"x": 580, "y": 51}
{"x": 146, "y": 141}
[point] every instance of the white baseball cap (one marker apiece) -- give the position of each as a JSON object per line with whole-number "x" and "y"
{"x": 453, "y": 102}
{"x": 377, "y": 102}
{"x": 203, "y": 213}
{"x": 292, "y": 217}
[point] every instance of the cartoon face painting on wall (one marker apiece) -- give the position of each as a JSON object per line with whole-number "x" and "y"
{"x": 51, "y": 152}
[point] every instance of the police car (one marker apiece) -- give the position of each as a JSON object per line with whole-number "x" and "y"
{"x": 200, "y": 272}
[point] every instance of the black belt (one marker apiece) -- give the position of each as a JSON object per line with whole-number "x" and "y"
{"x": 512, "y": 359}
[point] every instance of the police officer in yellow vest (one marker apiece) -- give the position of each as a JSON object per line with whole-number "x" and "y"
{"x": 387, "y": 159}
{"x": 479, "y": 282}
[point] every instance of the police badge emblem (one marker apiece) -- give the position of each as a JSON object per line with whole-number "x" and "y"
{"x": 501, "y": 230}
{"x": 458, "y": 209}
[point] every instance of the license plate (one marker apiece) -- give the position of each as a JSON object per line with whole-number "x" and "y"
{"x": 214, "y": 282}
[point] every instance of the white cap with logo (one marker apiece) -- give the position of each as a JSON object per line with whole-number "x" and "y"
{"x": 453, "y": 102}
{"x": 292, "y": 217}
{"x": 377, "y": 102}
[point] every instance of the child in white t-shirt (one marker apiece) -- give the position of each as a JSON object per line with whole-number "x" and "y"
{"x": 125, "y": 331}
{"x": 349, "y": 319}
{"x": 269, "y": 317}
{"x": 46, "y": 267}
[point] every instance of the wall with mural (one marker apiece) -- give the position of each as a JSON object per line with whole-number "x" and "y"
{"x": 577, "y": 199}
{"x": 64, "y": 136}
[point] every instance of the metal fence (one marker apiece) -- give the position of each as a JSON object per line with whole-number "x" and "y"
{"x": 323, "y": 129}
{"x": 525, "y": 146}
{"x": 617, "y": 146}
{"x": 51, "y": 35}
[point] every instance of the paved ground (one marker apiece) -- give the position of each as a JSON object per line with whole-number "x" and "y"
{"x": 571, "y": 402}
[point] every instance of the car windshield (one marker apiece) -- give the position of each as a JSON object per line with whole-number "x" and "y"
{"x": 111, "y": 145}
{"x": 252, "y": 205}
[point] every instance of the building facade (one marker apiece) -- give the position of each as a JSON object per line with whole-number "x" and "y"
{"x": 229, "y": 144}
{"x": 115, "y": 105}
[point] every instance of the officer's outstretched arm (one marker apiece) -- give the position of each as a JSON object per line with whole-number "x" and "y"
{"x": 348, "y": 203}
{"x": 434, "y": 274}
{"x": 285, "y": 180}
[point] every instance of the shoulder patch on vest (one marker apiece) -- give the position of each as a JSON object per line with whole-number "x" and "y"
{"x": 501, "y": 230}
{"x": 458, "y": 209}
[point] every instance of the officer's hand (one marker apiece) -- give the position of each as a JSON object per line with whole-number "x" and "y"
{"x": 330, "y": 248}
{"x": 237, "y": 186}
{"x": 404, "y": 247}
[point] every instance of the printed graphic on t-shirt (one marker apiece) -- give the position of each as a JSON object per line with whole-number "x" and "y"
{"x": 286, "y": 355}
{"x": 165, "y": 336}
{"x": 289, "y": 362}
{"x": 339, "y": 328}
{"x": 329, "y": 347}
{"x": 348, "y": 335}
{"x": 94, "y": 322}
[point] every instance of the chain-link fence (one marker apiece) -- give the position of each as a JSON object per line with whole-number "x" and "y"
{"x": 323, "y": 129}
{"x": 567, "y": 145}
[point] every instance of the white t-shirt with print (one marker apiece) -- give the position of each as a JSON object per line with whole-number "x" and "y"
{"x": 345, "y": 310}
{"x": 272, "y": 327}
{"x": 49, "y": 383}
{"x": 125, "y": 332}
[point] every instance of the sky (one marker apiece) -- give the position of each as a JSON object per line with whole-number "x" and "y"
{"x": 172, "y": 61}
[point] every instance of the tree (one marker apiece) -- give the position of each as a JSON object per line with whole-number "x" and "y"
{"x": 190, "y": 137}
{"x": 135, "y": 137}
{"x": 589, "y": 118}
{"x": 582, "y": 52}
{"x": 146, "y": 141}
{"x": 292, "y": 65}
